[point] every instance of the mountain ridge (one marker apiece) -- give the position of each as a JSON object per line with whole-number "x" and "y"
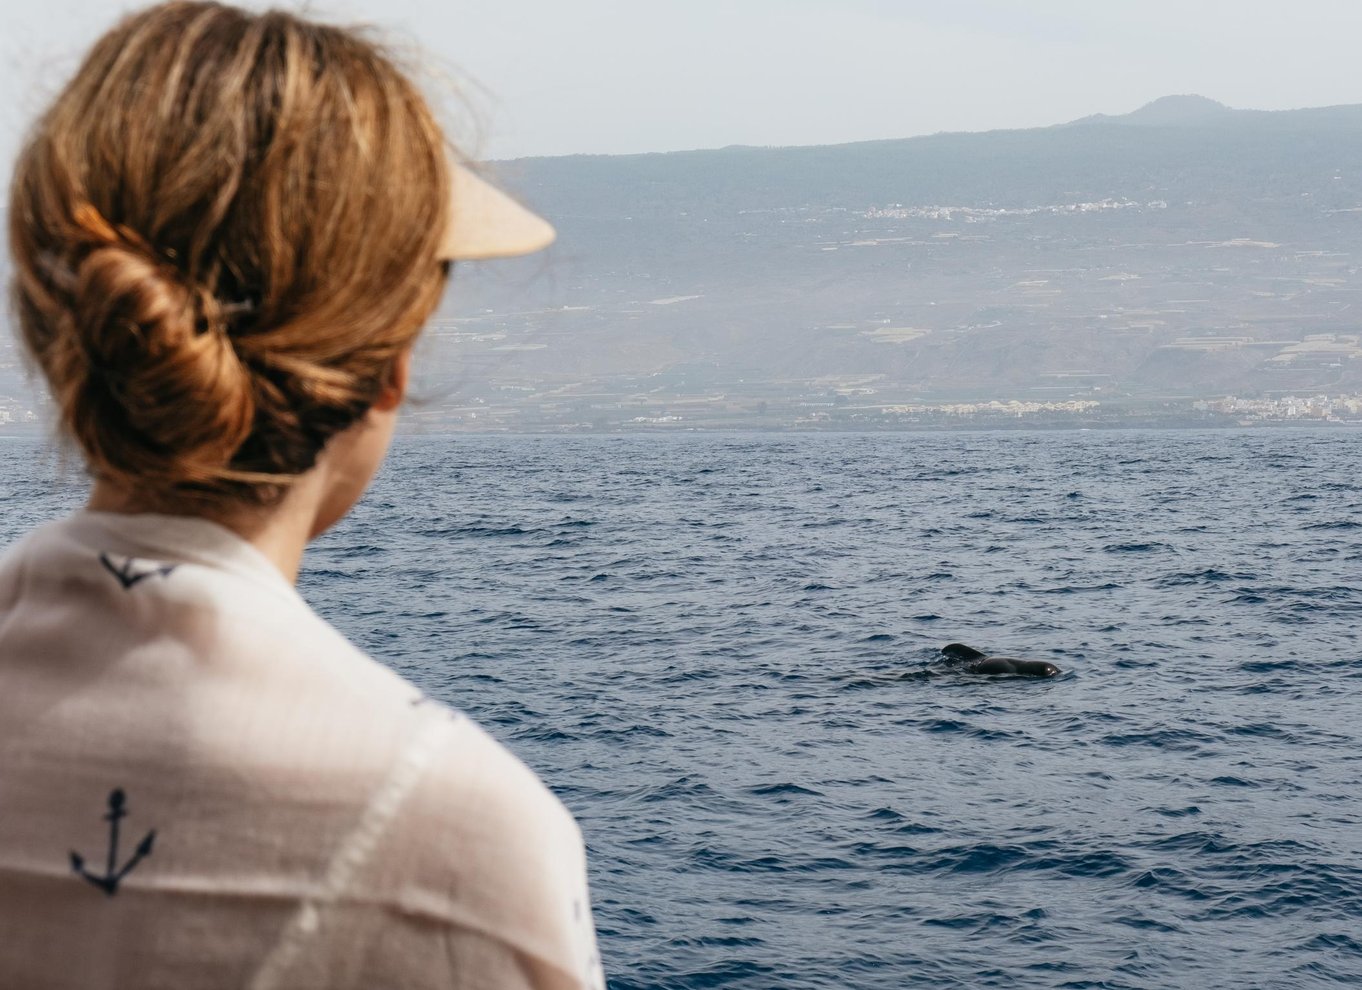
{"x": 1171, "y": 110}
{"x": 1175, "y": 110}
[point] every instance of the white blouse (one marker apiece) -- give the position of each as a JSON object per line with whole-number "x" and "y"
{"x": 203, "y": 785}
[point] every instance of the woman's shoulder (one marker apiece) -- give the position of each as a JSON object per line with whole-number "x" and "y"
{"x": 483, "y": 848}
{"x": 475, "y": 770}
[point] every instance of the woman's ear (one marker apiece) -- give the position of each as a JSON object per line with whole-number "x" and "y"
{"x": 396, "y": 390}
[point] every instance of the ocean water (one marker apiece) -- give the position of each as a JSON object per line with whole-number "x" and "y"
{"x": 721, "y": 651}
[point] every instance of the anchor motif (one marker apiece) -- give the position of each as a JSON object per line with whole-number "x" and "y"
{"x": 113, "y": 876}
{"x": 127, "y": 575}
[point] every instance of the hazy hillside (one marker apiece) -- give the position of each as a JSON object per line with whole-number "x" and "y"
{"x": 1183, "y": 249}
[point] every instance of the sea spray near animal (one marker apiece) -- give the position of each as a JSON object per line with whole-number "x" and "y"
{"x": 977, "y": 662}
{"x": 959, "y": 659}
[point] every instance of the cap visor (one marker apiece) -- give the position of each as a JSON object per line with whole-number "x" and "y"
{"x": 487, "y": 223}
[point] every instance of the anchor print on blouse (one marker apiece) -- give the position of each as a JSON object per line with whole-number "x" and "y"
{"x": 113, "y": 873}
{"x": 130, "y": 570}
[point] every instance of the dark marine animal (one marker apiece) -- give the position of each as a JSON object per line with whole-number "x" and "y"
{"x": 981, "y": 663}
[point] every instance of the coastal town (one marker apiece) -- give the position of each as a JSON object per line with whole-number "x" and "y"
{"x": 701, "y": 399}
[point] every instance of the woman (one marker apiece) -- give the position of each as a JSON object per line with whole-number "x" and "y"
{"x": 227, "y": 231}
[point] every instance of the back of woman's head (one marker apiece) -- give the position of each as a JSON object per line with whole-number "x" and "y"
{"x": 225, "y": 231}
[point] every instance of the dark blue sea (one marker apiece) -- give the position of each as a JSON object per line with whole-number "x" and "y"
{"x": 721, "y": 651}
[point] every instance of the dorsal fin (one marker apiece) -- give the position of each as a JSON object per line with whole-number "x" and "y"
{"x": 959, "y": 651}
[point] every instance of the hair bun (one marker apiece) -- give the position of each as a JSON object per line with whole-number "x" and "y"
{"x": 226, "y": 232}
{"x": 165, "y": 393}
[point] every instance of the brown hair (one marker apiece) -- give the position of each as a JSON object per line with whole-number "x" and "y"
{"x": 225, "y": 231}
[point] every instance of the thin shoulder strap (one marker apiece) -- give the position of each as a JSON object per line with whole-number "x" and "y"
{"x": 356, "y": 848}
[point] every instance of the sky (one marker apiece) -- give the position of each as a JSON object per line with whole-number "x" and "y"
{"x": 556, "y": 77}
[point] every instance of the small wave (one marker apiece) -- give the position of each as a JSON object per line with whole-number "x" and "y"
{"x": 782, "y": 790}
{"x": 1184, "y": 812}
{"x": 1098, "y": 863}
{"x": 1144, "y": 923}
{"x": 1231, "y": 781}
{"x": 707, "y": 857}
{"x": 902, "y": 824}
{"x": 1208, "y": 576}
{"x": 973, "y": 923}
{"x": 485, "y": 531}
{"x": 1174, "y": 740}
{"x": 714, "y": 941}
{"x": 1169, "y": 881}
{"x": 629, "y": 732}
{"x": 1207, "y": 843}
{"x": 1346, "y": 944}
{"x": 981, "y": 858}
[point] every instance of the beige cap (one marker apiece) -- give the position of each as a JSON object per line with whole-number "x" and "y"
{"x": 485, "y": 222}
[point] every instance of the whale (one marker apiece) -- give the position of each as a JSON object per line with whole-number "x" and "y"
{"x": 982, "y": 663}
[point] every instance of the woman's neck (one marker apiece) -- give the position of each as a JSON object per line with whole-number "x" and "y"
{"x": 315, "y": 500}
{"x": 281, "y": 531}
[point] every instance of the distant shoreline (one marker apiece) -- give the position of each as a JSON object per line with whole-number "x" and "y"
{"x": 8, "y": 433}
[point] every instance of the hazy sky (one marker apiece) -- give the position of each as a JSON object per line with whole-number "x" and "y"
{"x": 555, "y": 77}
